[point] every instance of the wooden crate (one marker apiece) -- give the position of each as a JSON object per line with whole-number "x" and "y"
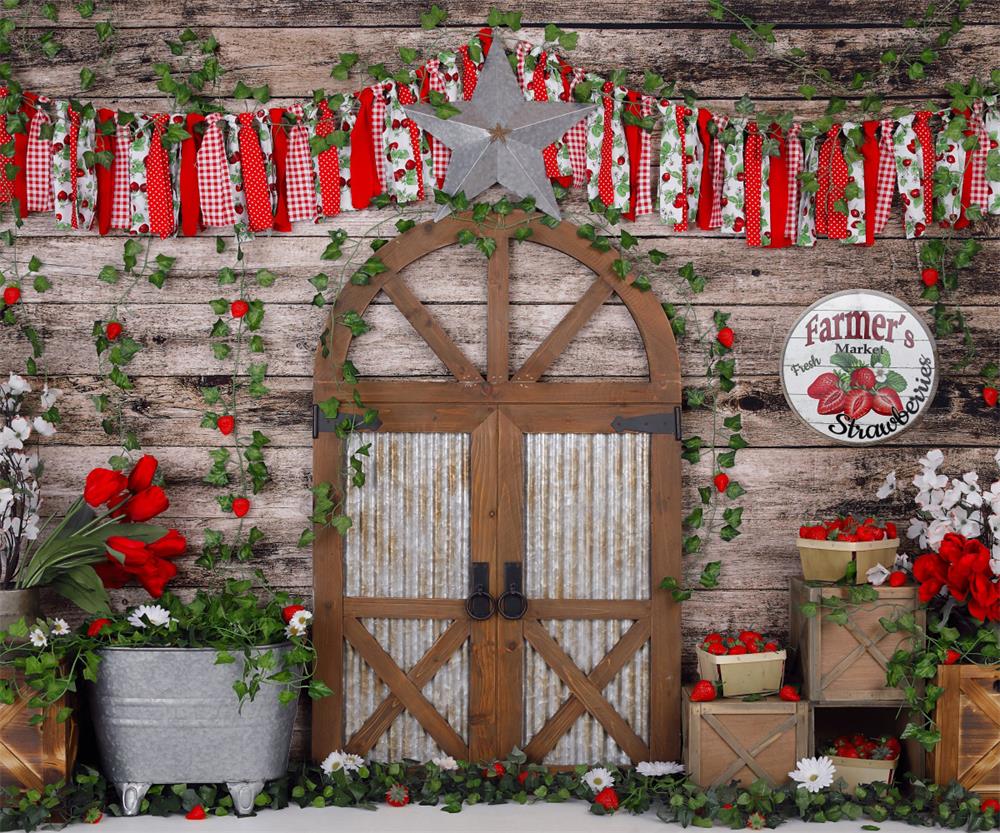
{"x": 847, "y": 663}
{"x": 33, "y": 756}
{"x": 727, "y": 740}
{"x": 830, "y": 720}
{"x": 968, "y": 715}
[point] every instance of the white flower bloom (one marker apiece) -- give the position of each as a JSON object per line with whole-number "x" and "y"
{"x": 334, "y": 762}
{"x": 933, "y": 459}
{"x": 301, "y": 619}
{"x": 20, "y": 426}
{"x": 153, "y": 614}
{"x": 38, "y": 638}
{"x": 654, "y": 769}
{"x": 888, "y": 487}
{"x": 445, "y": 764}
{"x": 292, "y": 629}
{"x": 996, "y": 457}
{"x": 903, "y": 562}
{"x": 598, "y": 778}
{"x": 60, "y": 627}
{"x": 814, "y": 774}
{"x": 49, "y": 397}
{"x": 16, "y": 385}
{"x": 43, "y": 426}
{"x": 10, "y": 440}
{"x": 352, "y": 762}
{"x": 877, "y": 575}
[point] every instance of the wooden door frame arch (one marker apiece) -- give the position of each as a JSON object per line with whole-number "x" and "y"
{"x": 496, "y": 396}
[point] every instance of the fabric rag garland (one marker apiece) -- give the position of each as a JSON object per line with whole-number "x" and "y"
{"x": 261, "y": 171}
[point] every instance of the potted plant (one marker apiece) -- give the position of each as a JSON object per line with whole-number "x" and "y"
{"x": 185, "y": 692}
{"x": 742, "y": 664}
{"x": 846, "y": 547}
{"x": 61, "y": 554}
{"x": 957, "y": 528}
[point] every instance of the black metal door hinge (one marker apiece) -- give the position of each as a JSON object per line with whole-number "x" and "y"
{"x": 665, "y": 422}
{"x": 323, "y": 424}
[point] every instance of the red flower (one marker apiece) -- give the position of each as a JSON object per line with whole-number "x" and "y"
{"x": 102, "y": 485}
{"x": 226, "y": 424}
{"x": 241, "y": 506}
{"x": 147, "y": 563}
{"x": 197, "y": 813}
{"x": 113, "y": 330}
{"x": 142, "y": 474}
{"x": 145, "y": 505}
{"x": 288, "y": 612}
{"x": 608, "y": 799}
{"x": 239, "y": 308}
{"x": 11, "y": 295}
{"x": 97, "y": 626}
{"x": 523, "y": 776}
{"x": 398, "y": 795}
{"x": 499, "y": 769}
{"x": 931, "y": 571}
{"x": 721, "y": 481}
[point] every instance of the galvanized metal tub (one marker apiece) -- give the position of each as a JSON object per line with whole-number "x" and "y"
{"x": 170, "y": 715}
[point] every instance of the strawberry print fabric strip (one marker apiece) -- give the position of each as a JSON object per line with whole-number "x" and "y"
{"x": 680, "y": 168}
{"x": 404, "y": 162}
{"x": 733, "y": 217}
{"x": 909, "y": 176}
{"x": 214, "y": 183}
{"x": 694, "y": 160}
{"x": 718, "y": 171}
{"x": 949, "y": 170}
{"x": 854, "y": 191}
{"x": 74, "y": 185}
{"x": 139, "y": 202}
{"x": 39, "y": 160}
{"x": 607, "y": 154}
{"x": 300, "y": 190}
{"x": 807, "y": 206}
{"x": 991, "y": 123}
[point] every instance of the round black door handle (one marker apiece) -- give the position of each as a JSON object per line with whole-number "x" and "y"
{"x": 480, "y": 605}
{"x": 512, "y": 604}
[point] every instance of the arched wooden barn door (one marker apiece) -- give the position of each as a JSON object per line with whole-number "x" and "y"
{"x": 564, "y": 495}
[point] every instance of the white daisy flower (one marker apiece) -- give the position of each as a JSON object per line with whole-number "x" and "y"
{"x": 814, "y": 774}
{"x": 149, "y": 614}
{"x": 38, "y": 638}
{"x": 655, "y": 769}
{"x": 301, "y": 618}
{"x": 445, "y": 764}
{"x": 877, "y": 575}
{"x": 888, "y": 487}
{"x": 60, "y": 627}
{"x": 293, "y": 629}
{"x": 352, "y": 762}
{"x": 598, "y": 778}
{"x": 334, "y": 762}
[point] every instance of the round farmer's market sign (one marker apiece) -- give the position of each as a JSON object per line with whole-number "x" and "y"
{"x": 859, "y": 367}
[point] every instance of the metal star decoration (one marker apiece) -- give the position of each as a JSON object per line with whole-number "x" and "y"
{"x": 498, "y": 136}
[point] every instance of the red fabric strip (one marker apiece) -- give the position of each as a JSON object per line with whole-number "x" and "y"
{"x": 871, "y": 154}
{"x": 190, "y": 196}
{"x": 777, "y": 180}
{"x": 364, "y": 174}
{"x": 706, "y": 189}
{"x": 279, "y": 142}
{"x": 105, "y": 180}
{"x": 20, "y": 184}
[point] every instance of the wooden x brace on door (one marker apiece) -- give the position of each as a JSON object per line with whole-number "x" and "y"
{"x": 865, "y": 644}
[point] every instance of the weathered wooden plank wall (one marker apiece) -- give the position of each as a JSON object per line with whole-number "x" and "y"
{"x": 790, "y": 472}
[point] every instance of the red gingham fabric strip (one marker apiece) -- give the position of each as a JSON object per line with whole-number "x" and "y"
{"x": 440, "y": 154}
{"x": 886, "y": 174}
{"x": 328, "y": 163}
{"x": 378, "y": 131}
{"x": 644, "y": 195}
{"x": 576, "y": 138}
{"x": 39, "y": 162}
{"x": 255, "y": 185}
{"x": 406, "y": 97}
{"x": 522, "y": 50}
{"x": 979, "y": 192}
{"x": 718, "y": 170}
{"x": 793, "y": 147}
{"x": 921, "y": 126}
{"x": 752, "y": 183}
{"x": 214, "y": 183}
{"x": 120, "y": 202}
{"x": 6, "y": 185}
{"x": 159, "y": 187}
{"x": 299, "y": 186}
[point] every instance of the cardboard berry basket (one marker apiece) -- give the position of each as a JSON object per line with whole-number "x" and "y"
{"x": 743, "y": 674}
{"x": 828, "y": 560}
{"x": 863, "y": 770}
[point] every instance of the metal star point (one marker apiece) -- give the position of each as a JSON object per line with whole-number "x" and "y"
{"x": 498, "y": 136}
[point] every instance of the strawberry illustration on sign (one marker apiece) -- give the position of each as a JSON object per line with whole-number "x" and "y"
{"x": 859, "y": 367}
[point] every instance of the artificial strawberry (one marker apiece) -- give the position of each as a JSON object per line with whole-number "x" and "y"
{"x": 770, "y": 646}
{"x": 892, "y": 744}
{"x": 239, "y": 308}
{"x": 847, "y": 752}
{"x": 608, "y": 799}
{"x": 990, "y": 395}
{"x": 929, "y": 276}
{"x": 715, "y": 636}
{"x": 951, "y": 656}
{"x": 885, "y": 401}
{"x": 241, "y": 506}
{"x": 858, "y": 403}
{"x": 789, "y": 693}
{"x": 726, "y": 337}
{"x": 738, "y": 649}
{"x": 703, "y": 691}
{"x": 890, "y": 530}
{"x": 897, "y": 578}
{"x": 721, "y": 481}
{"x": 823, "y": 384}
{"x": 716, "y": 648}
{"x": 226, "y": 424}
{"x": 749, "y": 636}
{"x": 113, "y": 330}
{"x": 11, "y": 295}
{"x": 863, "y": 377}
{"x": 398, "y": 795}
{"x": 832, "y": 403}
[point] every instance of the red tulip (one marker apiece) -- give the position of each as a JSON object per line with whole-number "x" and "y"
{"x": 170, "y": 545}
{"x": 113, "y": 330}
{"x": 103, "y": 485}
{"x": 145, "y": 505}
{"x": 142, "y": 474}
{"x": 11, "y": 295}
